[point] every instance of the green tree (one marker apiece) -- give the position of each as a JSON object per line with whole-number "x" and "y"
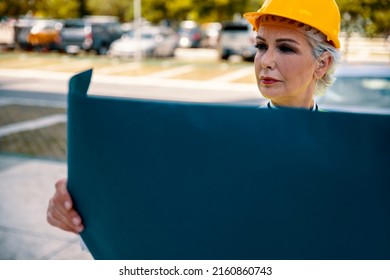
{"x": 14, "y": 8}
{"x": 40, "y": 8}
{"x": 368, "y": 17}
{"x": 117, "y": 8}
{"x": 57, "y": 8}
{"x": 174, "y": 10}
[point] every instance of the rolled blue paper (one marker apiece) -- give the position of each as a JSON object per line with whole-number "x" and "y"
{"x": 185, "y": 181}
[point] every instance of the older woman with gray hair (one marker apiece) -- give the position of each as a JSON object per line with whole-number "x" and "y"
{"x": 297, "y": 42}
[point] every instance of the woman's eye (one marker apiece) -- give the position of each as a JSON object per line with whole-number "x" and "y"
{"x": 286, "y": 49}
{"x": 261, "y": 46}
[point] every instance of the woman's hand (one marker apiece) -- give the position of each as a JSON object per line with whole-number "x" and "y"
{"x": 60, "y": 212}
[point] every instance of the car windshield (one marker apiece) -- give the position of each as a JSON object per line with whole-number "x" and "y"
{"x": 74, "y": 24}
{"x": 148, "y": 35}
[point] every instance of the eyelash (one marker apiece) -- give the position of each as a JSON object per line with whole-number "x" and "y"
{"x": 260, "y": 46}
{"x": 282, "y": 48}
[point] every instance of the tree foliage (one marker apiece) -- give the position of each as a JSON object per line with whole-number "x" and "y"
{"x": 369, "y": 17}
{"x": 57, "y": 8}
{"x": 40, "y": 8}
{"x": 14, "y": 8}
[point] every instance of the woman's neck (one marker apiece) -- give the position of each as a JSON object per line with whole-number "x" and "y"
{"x": 305, "y": 104}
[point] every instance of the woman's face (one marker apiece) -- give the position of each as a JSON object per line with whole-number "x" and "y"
{"x": 285, "y": 66}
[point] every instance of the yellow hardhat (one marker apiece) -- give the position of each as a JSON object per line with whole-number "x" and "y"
{"x": 323, "y": 15}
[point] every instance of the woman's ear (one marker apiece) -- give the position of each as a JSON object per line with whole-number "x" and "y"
{"x": 324, "y": 62}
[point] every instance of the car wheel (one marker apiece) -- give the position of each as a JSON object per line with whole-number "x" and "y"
{"x": 225, "y": 56}
{"x": 172, "y": 54}
{"x": 102, "y": 50}
{"x": 151, "y": 53}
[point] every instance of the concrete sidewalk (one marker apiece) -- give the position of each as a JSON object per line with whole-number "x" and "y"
{"x": 26, "y": 185}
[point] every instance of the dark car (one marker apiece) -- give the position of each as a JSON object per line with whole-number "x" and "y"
{"x": 363, "y": 88}
{"x": 89, "y": 34}
{"x": 237, "y": 38}
{"x": 190, "y": 34}
{"x": 22, "y": 30}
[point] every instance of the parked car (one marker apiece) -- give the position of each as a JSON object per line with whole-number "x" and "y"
{"x": 7, "y": 32}
{"x": 22, "y": 30}
{"x": 156, "y": 41}
{"x": 363, "y": 88}
{"x": 190, "y": 34}
{"x": 45, "y": 34}
{"x": 211, "y": 31}
{"x": 237, "y": 38}
{"x": 89, "y": 34}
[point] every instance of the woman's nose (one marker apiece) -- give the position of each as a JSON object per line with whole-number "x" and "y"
{"x": 268, "y": 60}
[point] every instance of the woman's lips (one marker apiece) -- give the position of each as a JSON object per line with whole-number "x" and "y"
{"x": 268, "y": 80}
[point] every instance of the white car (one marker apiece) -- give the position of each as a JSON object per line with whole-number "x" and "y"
{"x": 363, "y": 88}
{"x": 237, "y": 38}
{"x": 155, "y": 41}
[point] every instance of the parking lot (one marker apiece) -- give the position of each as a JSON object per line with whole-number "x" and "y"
{"x": 192, "y": 64}
{"x": 49, "y": 141}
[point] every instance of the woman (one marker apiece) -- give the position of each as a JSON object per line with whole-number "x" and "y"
{"x": 297, "y": 42}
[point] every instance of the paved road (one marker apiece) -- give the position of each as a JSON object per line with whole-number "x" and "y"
{"x": 26, "y": 185}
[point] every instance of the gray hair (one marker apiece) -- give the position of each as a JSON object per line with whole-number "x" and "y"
{"x": 319, "y": 47}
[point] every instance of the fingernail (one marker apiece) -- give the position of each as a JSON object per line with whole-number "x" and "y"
{"x": 67, "y": 205}
{"x": 76, "y": 221}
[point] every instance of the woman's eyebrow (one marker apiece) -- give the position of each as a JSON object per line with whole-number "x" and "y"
{"x": 287, "y": 40}
{"x": 279, "y": 40}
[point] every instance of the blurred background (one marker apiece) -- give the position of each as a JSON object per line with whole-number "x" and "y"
{"x": 47, "y": 25}
{"x": 181, "y": 50}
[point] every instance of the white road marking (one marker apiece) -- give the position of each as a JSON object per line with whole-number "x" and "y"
{"x": 119, "y": 68}
{"x": 32, "y": 124}
{"x": 127, "y": 80}
{"x": 6, "y": 101}
{"x": 233, "y": 75}
{"x": 172, "y": 72}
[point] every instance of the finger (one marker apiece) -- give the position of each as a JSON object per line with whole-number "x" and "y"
{"x": 56, "y": 223}
{"x": 63, "y": 203}
{"x": 68, "y": 221}
{"x": 60, "y": 211}
{"x": 62, "y": 194}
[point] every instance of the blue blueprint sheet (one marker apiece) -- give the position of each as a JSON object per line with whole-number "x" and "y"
{"x": 165, "y": 180}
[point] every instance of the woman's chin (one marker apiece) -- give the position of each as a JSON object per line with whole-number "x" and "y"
{"x": 270, "y": 93}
